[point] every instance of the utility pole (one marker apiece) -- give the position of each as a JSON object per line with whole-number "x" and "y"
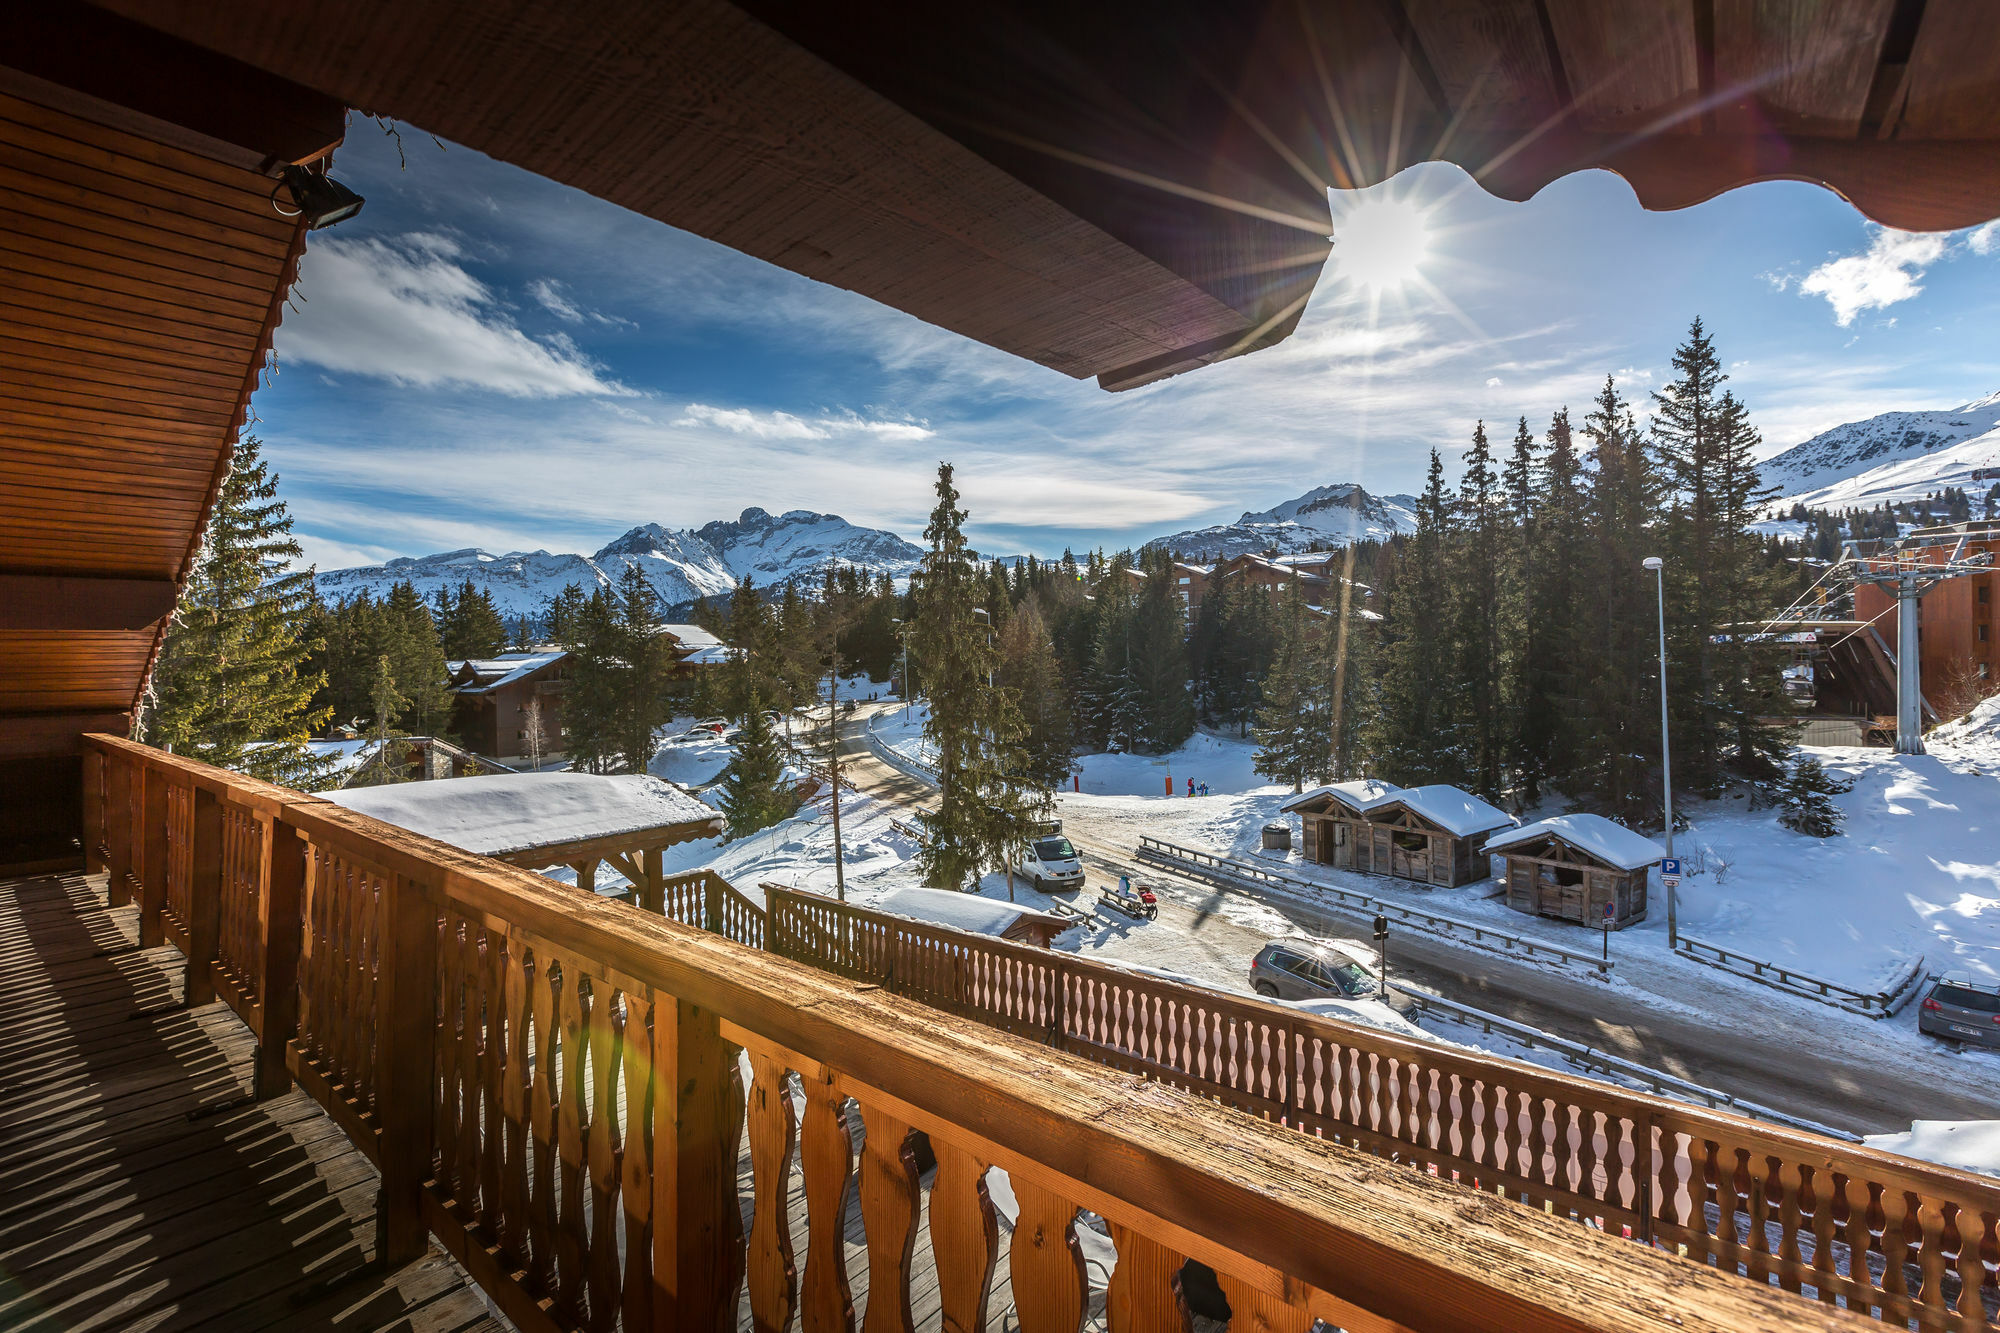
{"x": 1659, "y": 567}
{"x": 1907, "y": 571}
{"x": 833, "y": 766}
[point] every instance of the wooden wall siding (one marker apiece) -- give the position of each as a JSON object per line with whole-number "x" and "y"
{"x": 550, "y": 1084}
{"x": 139, "y": 283}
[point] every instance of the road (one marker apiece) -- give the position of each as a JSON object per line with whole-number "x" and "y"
{"x": 1857, "y": 1090}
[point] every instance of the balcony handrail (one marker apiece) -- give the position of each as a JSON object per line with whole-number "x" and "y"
{"x": 451, "y": 1005}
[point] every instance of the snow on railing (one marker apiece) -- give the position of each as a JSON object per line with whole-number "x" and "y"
{"x": 895, "y": 758}
{"x": 1451, "y": 929}
{"x": 1882, "y": 1003}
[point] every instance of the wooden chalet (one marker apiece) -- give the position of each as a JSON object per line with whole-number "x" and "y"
{"x": 491, "y": 698}
{"x": 1573, "y": 867}
{"x": 270, "y": 1061}
{"x": 1428, "y": 834}
{"x": 538, "y": 820}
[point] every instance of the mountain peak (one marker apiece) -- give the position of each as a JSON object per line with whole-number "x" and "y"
{"x": 1326, "y": 516}
{"x": 1889, "y": 458}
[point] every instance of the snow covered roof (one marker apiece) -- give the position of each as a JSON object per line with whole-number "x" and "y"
{"x": 1458, "y": 813}
{"x": 710, "y": 656}
{"x": 514, "y": 812}
{"x": 1593, "y": 835}
{"x": 490, "y": 673}
{"x": 960, "y": 911}
{"x": 1360, "y": 795}
{"x": 692, "y": 636}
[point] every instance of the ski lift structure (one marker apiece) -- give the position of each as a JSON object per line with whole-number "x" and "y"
{"x": 1906, "y": 568}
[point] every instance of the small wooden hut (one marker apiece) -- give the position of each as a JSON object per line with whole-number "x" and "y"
{"x": 976, "y": 915}
{"x": 1334, "y": 818}
{"x": 1573, "y": 866}
{"x": 1427, "y": 834}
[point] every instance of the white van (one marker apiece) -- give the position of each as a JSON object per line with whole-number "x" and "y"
{"x": 1053, "y": 863}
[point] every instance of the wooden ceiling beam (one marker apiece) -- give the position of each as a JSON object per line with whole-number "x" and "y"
{"x": 75, "y": 602}
{"x": 110, "y": 70}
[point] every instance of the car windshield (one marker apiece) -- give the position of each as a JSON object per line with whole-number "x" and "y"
{"x": 1351, "y": 977}
{"x": 1055, "y": 849}
{"x": 1985, "y": 1002}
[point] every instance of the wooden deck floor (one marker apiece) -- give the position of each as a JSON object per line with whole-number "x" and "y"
{"x": 137, "y": 1190}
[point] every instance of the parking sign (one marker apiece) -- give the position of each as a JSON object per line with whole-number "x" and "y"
{"x": 1670, "y": 871}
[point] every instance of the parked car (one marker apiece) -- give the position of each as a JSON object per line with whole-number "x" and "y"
{"x": 1053, "y": 864}
{"x": 1961, "y": 1009}
{"x": 1309, "y": 970}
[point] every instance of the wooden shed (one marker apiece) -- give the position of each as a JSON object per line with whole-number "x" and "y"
{"x": 1334, "y": 818}
{"x": 980, "y": 916}
{"x": 1427, "y": 834}
{"x": 1572, "y": 866}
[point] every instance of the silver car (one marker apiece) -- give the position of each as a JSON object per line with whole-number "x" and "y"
{"x": 1305, "y": 970}
{"x": 1960, "y": 1009}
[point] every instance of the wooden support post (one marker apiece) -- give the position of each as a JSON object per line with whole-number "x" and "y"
{"x": 118, "y": 827}
{"x": 406, "y": 1003}
{"x": 93, "y": 812}
{"x": 694, "y": 1170}
{"x": 150, "y": 846}
{"x": 586, "y": 874}
{"x": 281, "y": 874}
{"x": 653, "y": 881}
{"x": 204, "y": 895}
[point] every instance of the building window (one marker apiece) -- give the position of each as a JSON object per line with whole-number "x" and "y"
{"x": 1184, "y": 584}
{"x": 1982, "y": 633}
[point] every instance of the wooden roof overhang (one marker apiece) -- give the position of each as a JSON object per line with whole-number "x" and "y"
{"x": 142, "y": 270}
{"x": 1126, "y": 189}
{"x": 610, "y": 846}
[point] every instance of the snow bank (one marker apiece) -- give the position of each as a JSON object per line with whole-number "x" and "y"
{"x": 960, "y": 911}
{"x": 1969, "y": 1145}
{"x": 514, "y": 811}
{"x": 1223, "y": 763}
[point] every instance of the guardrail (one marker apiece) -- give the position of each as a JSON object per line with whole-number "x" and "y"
{"x": 1231, "y": 873}
{"x": 1902, "y": 985}
{"x": 1589, "y": 1057}
{"x": 895, "y": 759}
{"x": 907, "y": 829}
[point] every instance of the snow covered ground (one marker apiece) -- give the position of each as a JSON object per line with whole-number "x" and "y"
{"x": 1969, "y": 1145}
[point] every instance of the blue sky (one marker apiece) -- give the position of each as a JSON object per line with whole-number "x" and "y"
{"x": 485, "y": 358}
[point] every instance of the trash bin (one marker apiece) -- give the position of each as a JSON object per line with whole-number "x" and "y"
{"x": 1277, "y": 837}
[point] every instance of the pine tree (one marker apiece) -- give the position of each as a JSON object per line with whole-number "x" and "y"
{"x": 1475, "y": 597}
{"x": 563, "y": 615}
{"x": 1807, "y": 795}
{"x": 754, "y": 792}
{"x": 617, "y": 698}
{"x": 1416, "y": 733}
{"x": 416, "y": 654}
{"x": 1548, "y": 714}
{"x": 1028, "y": 667}
{"x": 233, "y": 687}
{"x": 1516, "y": 614}
{"x": 1158, "y": 674}
{"x": 1293, "y": 730}
{"x": 974, "y": 728}
{"x": 469, "y": 625}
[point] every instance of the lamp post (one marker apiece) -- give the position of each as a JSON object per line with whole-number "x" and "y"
{"x": 904, "y": 635}
{"x": 1659, "y": 566}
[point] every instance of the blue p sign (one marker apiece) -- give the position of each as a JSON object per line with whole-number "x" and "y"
{"x": 1670, "y": 865}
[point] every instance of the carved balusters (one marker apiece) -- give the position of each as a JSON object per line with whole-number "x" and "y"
{"x": 965, "y": 1238}
{"x": 1143, "y": 1296}
{"x": 1757, "y": 1185}
{"x": 826, "y": 1159}
{"x": 890, "y": 1199}
{"x": 543, "y": 1223}
{"x": 601, "y": 1147}
{"x": 1786, "y": 1181}
{"x": 1254, "y": 1311}
{"x": 1046, "y": 1261}
{"x": 773, "y": 1134}
{"x": 635, "y": 1161}
{"x": 1976, "y": 1239}
{"x": 1890, "y": 1220}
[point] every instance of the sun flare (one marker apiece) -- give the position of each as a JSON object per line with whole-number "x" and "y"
{"x": 1381, "y": 244}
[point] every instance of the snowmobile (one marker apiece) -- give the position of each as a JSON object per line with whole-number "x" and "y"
{"x": 1134, "y": 900}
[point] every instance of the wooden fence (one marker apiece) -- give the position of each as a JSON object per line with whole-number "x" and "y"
{"x": 1868, "y": 1230}
{"x": 548, "y": 1082}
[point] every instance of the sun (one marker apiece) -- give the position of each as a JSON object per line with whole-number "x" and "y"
{"x": 1381, "y": 244}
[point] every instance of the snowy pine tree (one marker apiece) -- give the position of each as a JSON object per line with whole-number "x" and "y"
{"x": 1807, "y": 795}
{"x": 754, "y": 792}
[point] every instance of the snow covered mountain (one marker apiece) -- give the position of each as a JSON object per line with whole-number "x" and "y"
{"x": 1893, "y": 457}
{"x": 681, "y": 565}
{"x": 1326, "y": 516}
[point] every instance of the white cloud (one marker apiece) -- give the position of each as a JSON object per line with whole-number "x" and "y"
{"x": 1884, "y": 274}
{"x": 549, "y": 293}
{"x": 405, "y": 311}
{"x": 1984, "y": 240}
{"x": 1493, "y": 382}
{"x": 785, "y": 426}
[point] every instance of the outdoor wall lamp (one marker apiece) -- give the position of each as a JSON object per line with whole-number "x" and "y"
{"x": 320, "y": 199}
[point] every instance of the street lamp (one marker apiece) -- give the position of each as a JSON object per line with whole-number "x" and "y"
{"x": 904, "y": 635}
{"x": 1659, "y": 566}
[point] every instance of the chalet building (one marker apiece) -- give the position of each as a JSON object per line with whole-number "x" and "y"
{"x": 1573, "y": 867}
{"x": 491, "y": 698}
{"x": 1958, "y": 646}
{"x": 363, "y": 761}
{"x": 1427, "y": 834}
{"x": 695, "y": 649}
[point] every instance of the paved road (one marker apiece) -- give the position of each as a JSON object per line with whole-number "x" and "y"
{"x": 1855, "y": 1091}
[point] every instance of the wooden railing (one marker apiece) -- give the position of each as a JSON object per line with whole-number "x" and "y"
{"x": 549, "y": 1084}
{"x": 1797, "y": 1210}
{"x": 706, "y": 900}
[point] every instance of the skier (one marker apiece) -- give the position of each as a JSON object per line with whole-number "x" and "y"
{"x": 1190, "y": 787}
{"x": 1204, "y": 789}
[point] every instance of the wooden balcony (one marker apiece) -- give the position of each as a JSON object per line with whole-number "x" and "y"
{"x": 560, "y": 1091}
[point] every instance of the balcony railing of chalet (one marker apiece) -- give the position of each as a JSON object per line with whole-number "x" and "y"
{"x": 548, "y": 1082}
